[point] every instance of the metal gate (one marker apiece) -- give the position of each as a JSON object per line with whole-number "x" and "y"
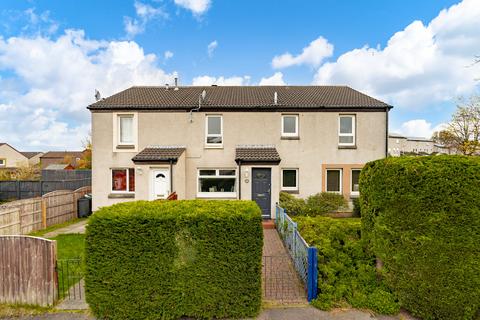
{"x": 70, "y": 279}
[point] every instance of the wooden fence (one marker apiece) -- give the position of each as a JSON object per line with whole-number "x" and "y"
{"x": 25, "y": 216}
{"x": 28, "y": 270}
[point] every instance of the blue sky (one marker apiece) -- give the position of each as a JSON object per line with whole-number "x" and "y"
{"x": 416, "y": 55}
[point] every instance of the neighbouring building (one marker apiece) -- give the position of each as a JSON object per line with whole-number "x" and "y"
{"x": 11, "y": 158}
{"x": 60, "y": 157}
{"x": 401, "y": 145}
{"x": 245, "y": 142}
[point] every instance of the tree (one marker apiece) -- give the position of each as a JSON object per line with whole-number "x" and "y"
{"x": 86, "y": 161}
{"x": 463, "y": 131}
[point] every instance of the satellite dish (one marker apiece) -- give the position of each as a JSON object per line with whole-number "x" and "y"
{"x": 98, "y": 96}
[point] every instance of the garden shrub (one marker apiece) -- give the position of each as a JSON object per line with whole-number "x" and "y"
{"x": 421, "y": 217}
{"x": 317, "y": 204}
{"x": 168, "y": 259}
{"x": 357, "y": 212}
{"x": 324, "y": 202}
{"x": 346, "y": 269}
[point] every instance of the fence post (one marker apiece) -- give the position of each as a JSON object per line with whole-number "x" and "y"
{"x": 44, "y": 213}
{"x": 17, "y": 186}
{"x": 312, "y": 273}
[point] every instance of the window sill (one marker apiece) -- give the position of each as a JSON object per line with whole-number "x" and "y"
{"x": 347, "y": 147}
{"x": 125, "y": 146}
{"x": 291, "y": 191}
{"x": 290, "y": 138}
{"x": 213, "y": 147}
{"x": 121, "y": 195}
{"x": 217, "y": 195}
{"x": 354, "y": 195}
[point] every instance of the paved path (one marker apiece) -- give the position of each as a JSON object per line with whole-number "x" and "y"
{"x": 280, "y": 281}
{"x": 75, "y": 300}
{"x": 78, "y": 227}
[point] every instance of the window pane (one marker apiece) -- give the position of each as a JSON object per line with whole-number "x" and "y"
{"x": 290, "y": 178}
{"x": 355, "y": 179}
{"x": 346, "y": 125}
{"x": 126, "y": 129}
{"x": 119, "y": 180}
{"x": 217, "y": 184}
{"x": 214, "y": 125}
{"x": 289, "y": 124}
{"x": 207, "y": 172}
{"x": 131, "y": 180}
{"x": 333, "y": 180}
{"x": 345, "y": 139}
{"x": 227, "y": 172}
{"x": 214, "y": 139}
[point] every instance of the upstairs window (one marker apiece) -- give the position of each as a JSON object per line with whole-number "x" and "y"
{"x": 125, "y": 130}
{"x": 290, "y": 179}
{"x": 290, "y": 125}
{"x": 346, "y": 130}
{"x": 334, "y": 180}
{"x": 214, "y": 131}
{"x": 123, "y": 180}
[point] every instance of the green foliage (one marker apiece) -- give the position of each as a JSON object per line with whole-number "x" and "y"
{"x": 421, "y": 217}
{"x": 324, "y": 202}
{"x": 168, "y": 259}
{"x": 357, "y": 212}
{"x": 293, "y": 205}
{"x": 317, "y": 204}
{"x": 346, "y": 269}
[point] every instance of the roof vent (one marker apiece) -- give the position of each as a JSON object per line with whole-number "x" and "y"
{"x": 176, "y": 82}
{"x": 275, "y": 98}
{"x": 166, "y": 86}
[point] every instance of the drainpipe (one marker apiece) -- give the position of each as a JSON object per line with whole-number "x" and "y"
{"x": 239, "y": 180}
{"x": 171, "y": 176}
{"x": 386, "y": 132}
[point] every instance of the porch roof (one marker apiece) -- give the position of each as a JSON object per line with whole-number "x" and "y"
{"x": 257, "y": 154}
{"x": 155, "y": 154}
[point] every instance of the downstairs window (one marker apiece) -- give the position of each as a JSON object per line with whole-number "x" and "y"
{"x": 217, "y": 183}
{"x": 123, "y": 180}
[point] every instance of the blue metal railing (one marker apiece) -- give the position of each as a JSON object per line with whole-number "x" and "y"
{"x": 304, "y": 257}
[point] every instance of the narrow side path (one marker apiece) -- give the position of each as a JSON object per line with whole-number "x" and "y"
{"x": 78, "y": 227}
{"x": 280, "y": 281}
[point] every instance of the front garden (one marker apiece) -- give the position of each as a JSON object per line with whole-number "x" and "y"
{"x": 421, "y": 221}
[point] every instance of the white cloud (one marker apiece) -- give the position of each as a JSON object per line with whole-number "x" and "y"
{"x": 197, "y": 7}
{"x": 43, "y": 104}
{"x": 275, "y": 80}
{"x": 419, "y": 128}
{"x": 420, "y": 66}
{"x": 312, "y": 55}
{"x": 144, "y": 14}
{"x": 221, "y": 81}
{"x": 167, "y": 55}
{"x": 211, "y": 47}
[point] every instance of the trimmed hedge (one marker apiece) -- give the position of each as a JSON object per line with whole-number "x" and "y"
{"x": 421, "y": 216}
{"x": 346, "y": 269}
{"x": 168, "y": 259}
{"x": 315, "y": 205}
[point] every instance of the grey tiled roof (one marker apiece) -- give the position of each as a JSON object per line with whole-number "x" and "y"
{"x": 159, "y": 153}
{"x": 29, "y": 154}
{"x": 256, "y": 153}
{"x": 238, "y": 97}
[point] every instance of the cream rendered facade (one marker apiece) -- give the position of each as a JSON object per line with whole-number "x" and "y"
{"x": 11, "y": 158}
{"x": 315, "y": 150}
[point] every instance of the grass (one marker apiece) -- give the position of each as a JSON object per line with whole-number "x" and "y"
{"x": 41, "y": 233}
{"x": 8, "y": 310}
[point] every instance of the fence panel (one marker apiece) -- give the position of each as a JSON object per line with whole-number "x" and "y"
{"x": 17, "y": 190}
{"x": 60, "y": 206}
{"x": 304, "y": 257}
{"x": 30, "y": 214}
{"x": 9, "y": 220}
{"x": 28, "y": 273}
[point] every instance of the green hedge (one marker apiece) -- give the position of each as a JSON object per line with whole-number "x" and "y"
{"x": 421, "y": 216}
{"x": 315, "y": 205}
{"x": 346, "y": 269}
{"x": 167, "y": 259}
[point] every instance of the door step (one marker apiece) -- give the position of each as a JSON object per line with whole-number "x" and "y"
{"x": 268, "y": 224}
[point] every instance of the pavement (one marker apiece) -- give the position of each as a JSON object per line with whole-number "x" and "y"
{"x": 78, "y": 227}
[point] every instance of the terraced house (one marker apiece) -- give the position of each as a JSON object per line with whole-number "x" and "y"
{"x": 246, "y": 142}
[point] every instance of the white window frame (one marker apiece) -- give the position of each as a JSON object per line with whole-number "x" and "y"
{"x": 4, "y": 162}
{"x": 207, "y": 135}
{"x": 290, "y": 134}
{"x": 353, "y": 193}
{"x": 128, "y": 181}
{"x": 119, "y": 130}
{"x": 341, "y": 180}
{"x": 353, "y": 134}
{"x": 296, "y": 180}
{"x": 217, "y": 175}
{"x": 120, "y": 147}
